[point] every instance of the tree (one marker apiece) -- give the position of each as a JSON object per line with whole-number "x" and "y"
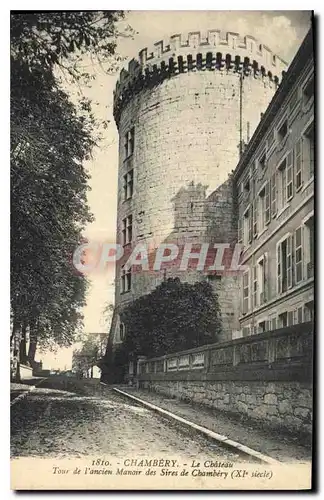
{"x": 51, "y": 138}
{"x": 174, "y": 317}
{"x": 89, "y": 355}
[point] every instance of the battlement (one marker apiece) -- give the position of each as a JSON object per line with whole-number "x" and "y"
{"x": 197, "y": 51}
{"x": 225, "y": 41}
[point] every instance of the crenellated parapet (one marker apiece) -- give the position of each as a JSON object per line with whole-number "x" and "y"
{"x": 213, "y": 51}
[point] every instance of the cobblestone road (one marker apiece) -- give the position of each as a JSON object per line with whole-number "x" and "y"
{"x": 84, "y": 420}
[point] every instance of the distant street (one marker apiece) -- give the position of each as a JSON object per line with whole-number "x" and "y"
{"x": 67, "y": 418}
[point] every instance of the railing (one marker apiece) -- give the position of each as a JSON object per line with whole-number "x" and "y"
{"x": 284, "y": 354}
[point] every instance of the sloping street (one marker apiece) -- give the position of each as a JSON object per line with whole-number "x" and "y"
{"x": 65, "y": 418}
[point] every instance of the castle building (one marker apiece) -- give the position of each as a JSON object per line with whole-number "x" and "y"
{"x": 184, "y": 112}
{"x": 274, "y": 184}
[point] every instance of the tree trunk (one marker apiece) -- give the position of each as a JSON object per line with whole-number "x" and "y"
{"x": 32, "y": 343}
{"x": 32, "y": 351}
{"x": 22, "y": 346}
{"x": 15, "y": 329}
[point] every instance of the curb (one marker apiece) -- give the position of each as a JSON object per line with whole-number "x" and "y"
{"x": 24, "y": 394}
{"x": 223, "y": 440}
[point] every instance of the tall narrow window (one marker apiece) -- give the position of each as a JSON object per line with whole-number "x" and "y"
{"x": 283, "y": 319}
{"x": 273, "y": 323}
{"x": 126, "y": 280}
{"x": 309, "y": 311}
{"x": 255, "y": 217}
{"x": 309, "y": 246}
{"x": 127, "y": 230}
{"x": 247, "y": 227}
{"x": 122, "y": 332}
{"x": 245, "y": 292}
{"x": 129, "y": 142}
{"x": 124, "y": 232}
{"x": 261, "y": 271}
{"x": 284, "y": 265}
{"x": 128, "y": 185}
{"x": 308, "y": 151}
{"x": 290, "y": 318}
{"x": 264, "y": 206}
{"x": 289, "y": 186}
{"x": 283, "y": 183}
{"x": 273, "y": 195}
{"x": 255, "y": 286}
{"x": 298, "y": 316}
{"x": 298, "y": 164}
{"x": 299, "y": 255}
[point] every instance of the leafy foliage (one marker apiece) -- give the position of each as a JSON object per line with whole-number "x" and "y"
{"x": 51, "y": 138}
{"x": 174, "y": 317}
{"x": 90, "y": 353}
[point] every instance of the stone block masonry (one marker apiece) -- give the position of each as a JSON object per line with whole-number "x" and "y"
{"x": 190, "y": 104}
{"x": 280, "y": 405}
{"x": 266, "y": 378}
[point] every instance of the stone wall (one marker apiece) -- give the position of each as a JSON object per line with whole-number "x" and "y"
{"x": 265, "y": 377}
{"x": 286, "y": 405}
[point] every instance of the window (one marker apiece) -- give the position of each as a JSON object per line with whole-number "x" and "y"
{"x": 262, "y": 209}
{"x": 126, "y": 280}
{"x": 255, "y": 217}
{"x": 255, "y": 286}
{"x": 245, "y": 292}
{"x": 309, "y": 311}
{"x": 283, "y": 320}
{"x": 247, "y": 227}
{"x": 129, "y": 142}
{"x": 127, "y": 231}
{"x": 261, "y": 274}
{"x": 298, "y": 164}
{"x": 298, "y": 316}
{"x": 284, "y": 265}
{"x": 298, "y": 255}
{"x": 282, "y": 131}
{"x": 308, "y": 91}
{"x": 273, "y": 323}
{"x": 286, "y": 180}
{"x": 289, "y": 176}
{"x": 308, "y": 151}
{"x": 273, "y": 195}
{"x": 264, "y": 206}
{"x": 128, "y": 185}
{"x": 309, "y": 246}
{"x": 122, "y": 331}
{"x": 290, "y": 318}
{"x": 263, "y": 326}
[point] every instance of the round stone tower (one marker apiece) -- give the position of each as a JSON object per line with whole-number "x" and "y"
{"x": 184, "y": 112}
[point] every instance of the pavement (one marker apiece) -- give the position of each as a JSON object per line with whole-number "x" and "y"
{"x": 281, "y": 447}
{"x": 69, "y": 418}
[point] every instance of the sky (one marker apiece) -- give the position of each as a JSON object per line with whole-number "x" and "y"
{"x": 281, "y": 31}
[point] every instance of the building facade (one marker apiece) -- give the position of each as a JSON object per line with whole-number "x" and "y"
{"x": 274, "y": 185}
{"x": 184, "y": 112}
